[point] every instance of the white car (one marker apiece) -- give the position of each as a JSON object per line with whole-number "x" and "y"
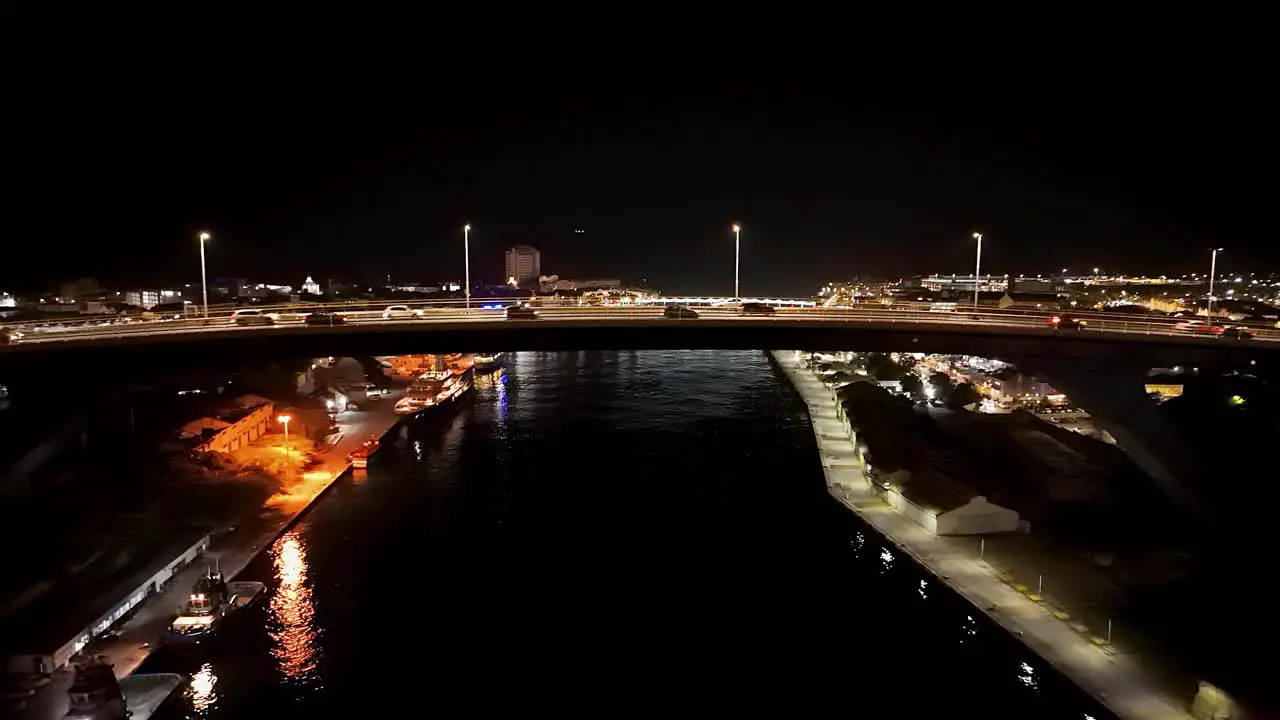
{"x": 252, "y": 317}
{"x": 400, "y": 312}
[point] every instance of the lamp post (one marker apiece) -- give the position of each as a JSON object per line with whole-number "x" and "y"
{"x": 204, "y": 286}
{"x": 1213, "y": 270}
{"x": 737, "y": 253}
{"x": 466, "y": 261}
{"x": 288, "y": 454}
{"x": 977, "y": 270}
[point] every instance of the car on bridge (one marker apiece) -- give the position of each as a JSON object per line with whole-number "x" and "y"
{"x": 252, "y": 317}
{"x": 1237, "y": 332}
{"x": 1198, "y": 327}
{"x": 757, "y": 308}
{"x": 10, "y": 337}
{"x": 680, "y": 312}
{"x": 1069, "y": 322}
{"x": 325, "y": 318}
{"x": 400, "y": 312}
{"x": 521, "y": 312}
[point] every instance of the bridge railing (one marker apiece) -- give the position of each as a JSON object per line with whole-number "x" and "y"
{"x": 292, "y": 317}
{"x": 194, "y": 313}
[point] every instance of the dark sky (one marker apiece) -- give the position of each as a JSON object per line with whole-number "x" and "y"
{"x": 362, "y": 150}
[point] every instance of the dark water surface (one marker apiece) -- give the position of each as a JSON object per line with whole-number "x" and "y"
{"x": 611, "y": 533}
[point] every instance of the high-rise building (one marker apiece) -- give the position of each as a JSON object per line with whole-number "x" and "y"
{"x": 523, "y": 264}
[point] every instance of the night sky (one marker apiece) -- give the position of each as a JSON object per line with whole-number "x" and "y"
{"x": 353, "y": 155}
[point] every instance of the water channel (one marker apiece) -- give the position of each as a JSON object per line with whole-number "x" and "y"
{"x": 605, "y": 532}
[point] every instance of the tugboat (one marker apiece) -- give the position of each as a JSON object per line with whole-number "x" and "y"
{"x": 360, "y": 456}
{"x": 95, "y": 693}
{"x": 488, "y": 361}
{"x": 211, "y": 599}
{"x": 439, "y": 386}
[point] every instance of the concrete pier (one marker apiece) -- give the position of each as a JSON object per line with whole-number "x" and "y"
{"x": 1114, "y": 680}
{"x": 235, "y": 550}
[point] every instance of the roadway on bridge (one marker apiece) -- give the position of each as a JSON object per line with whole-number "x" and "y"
{"x": 285, "y": 318}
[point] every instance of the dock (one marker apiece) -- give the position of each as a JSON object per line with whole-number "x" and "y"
{"x": 236, "y": 549}
{"x": 1115, "y": 680}
{"x": 232, "y": 551}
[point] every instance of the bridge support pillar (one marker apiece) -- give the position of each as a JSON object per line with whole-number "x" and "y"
{"x": 1114, "y": 395}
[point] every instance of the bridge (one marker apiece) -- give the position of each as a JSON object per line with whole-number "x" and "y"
{"x": 445, "y": 318}
{"x": 1101, "y": 367}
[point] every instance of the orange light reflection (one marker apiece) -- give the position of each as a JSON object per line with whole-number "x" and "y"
{"x": 293, "y": 630}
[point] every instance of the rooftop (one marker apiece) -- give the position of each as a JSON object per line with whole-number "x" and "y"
{"x": 240, "y": 406}
{"x": 933, "y": 491}
{"x": 68, "y": 608}
{"x": 196, "y": 428}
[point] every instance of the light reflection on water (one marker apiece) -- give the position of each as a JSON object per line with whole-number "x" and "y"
{"x": 293, "y": 632}
{"x": 1027, "y": 675}
{"x": 202, "y": 690}
{"x": 886, "y": 560}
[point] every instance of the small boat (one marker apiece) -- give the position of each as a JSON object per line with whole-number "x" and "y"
{"x": 488, "y": 361}
{"x": 95, "y": 693}
{"x": 210, "y": 600}
{"x": 360, "y": 456}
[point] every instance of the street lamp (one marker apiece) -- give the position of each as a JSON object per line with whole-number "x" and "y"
{"x": 1213, "y": 270}
{"x": 977, "y": 270}
{"x": 288, "y": 454}
{"x": 466, "y": 255}
{"x": 737, "y": 253}
{"x": 204, "y": 286}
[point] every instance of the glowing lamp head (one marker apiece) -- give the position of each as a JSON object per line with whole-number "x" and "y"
{"x": 977, "y": 236}
{"x": 467, "y": 228}
{"x": 204, "y": 236}
{"x": 737, "y": 227}
{"x": 284, "y": 419}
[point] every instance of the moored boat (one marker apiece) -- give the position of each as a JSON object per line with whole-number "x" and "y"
{"x": 443, "y": 385}
{"x": 487, "y": 361}
{"x": 210, "y": 600}
{"x": 360, "y": 456}
{"x": 95, "y": 693}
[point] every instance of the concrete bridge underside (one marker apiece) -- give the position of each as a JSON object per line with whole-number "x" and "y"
{"x": 1101, "y": 373}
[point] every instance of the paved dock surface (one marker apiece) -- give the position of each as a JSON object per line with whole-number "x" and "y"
{"x": 1116, "y": 680}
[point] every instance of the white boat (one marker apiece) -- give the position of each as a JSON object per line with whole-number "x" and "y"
{"x": 487, "y": 361}
{"x": 435, "y": 388}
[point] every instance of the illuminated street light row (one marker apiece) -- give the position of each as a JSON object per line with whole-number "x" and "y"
{"x": 737, "y": 255}
{"x": 466, "y": 252}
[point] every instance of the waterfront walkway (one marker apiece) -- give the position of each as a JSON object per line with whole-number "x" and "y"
{"x": 1115, "y": 680}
